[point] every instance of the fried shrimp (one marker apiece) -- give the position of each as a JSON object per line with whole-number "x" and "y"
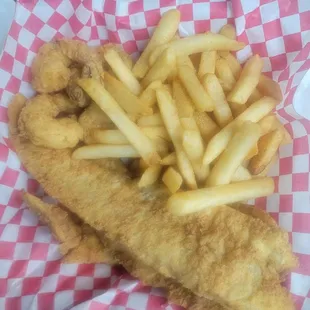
{"x": 51, "y": 68}
{"x": 39, "y": 124}
{"x": 74, "y": 91}
{"x": 91, "y": 118}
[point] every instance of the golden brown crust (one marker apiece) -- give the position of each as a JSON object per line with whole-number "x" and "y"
{"x": 232, "y": 250}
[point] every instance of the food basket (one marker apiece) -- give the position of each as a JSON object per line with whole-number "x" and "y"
{"x": 31, "y": 274}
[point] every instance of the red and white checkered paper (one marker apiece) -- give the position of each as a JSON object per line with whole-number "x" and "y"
{"x": 31, "y": 274}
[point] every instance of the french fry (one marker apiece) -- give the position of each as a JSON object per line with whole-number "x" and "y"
{"x": 150, "y": 176}
{"x": 241, "y": 174}
{"x": 115, "y": 136}
{"x": 172, "y": 123}
{"x": 224, "y": 73}
{"x": 234, "y": 154}
{"x": 264, "y": 172}
{"x": 204, "y": 42}
{"x": 254, "y": 113}
{"x": 124, "y": 97}
{"x": 164, "y": 32}
{"x": 207, "y": 63}
{"x": 268, "y": 145}
{"x": 269, "y": 87}
{"x": 222, "y": 110}
{"x": 123, "y": 73}
{"x": 182, "y": 100}
{"x": 228, "y": 31}
{"x": 148, "y": 96}
{"x": 161, "y": 68}
{"x": 150, "y": 121}
{"x": 142, "y": 165}
{"x": 194, "y": 148}
{"x": 172, "y": 179}
{"x": 105, "y": 151}
{"x": 186, "y": 61}
{"x": 197, "y": 200}
{"x": 122, "y": 54}
{"x": 256, "y": 95}
{"x": 200, "y": 97}
{"x": 237, "y": 109}
{"x": 189, "y": 123}
{"x": 247, "y": 82}
{"x": 195, "y": 60}
{"x": 156, "y": 132}
{"x": 162, "y": 146}
{"x": 207, "y": 127}
{"x": 169, "y": 160}
{"x": 131, "y": 131}
{"x": 253, "y": 151}
{"x": 233, "y": 64}
{"x": 193, "y": 145}
{"x": 270, "y": 123}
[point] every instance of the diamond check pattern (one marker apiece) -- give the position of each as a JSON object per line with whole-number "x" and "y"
{"x": 31, "y": 274}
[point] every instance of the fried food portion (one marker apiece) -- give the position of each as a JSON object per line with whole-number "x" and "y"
{"x": 39, "y": 124}
{"x": 93, "y": 118}
{"x": 89, "y": 249}
{"x": 51, "y": 67}
{"x": 240, "y": 256}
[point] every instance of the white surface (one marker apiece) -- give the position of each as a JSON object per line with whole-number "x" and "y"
{"x": 7, "y": 9}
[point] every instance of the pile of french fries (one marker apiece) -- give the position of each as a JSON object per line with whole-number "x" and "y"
{"x": 191, "y": 116}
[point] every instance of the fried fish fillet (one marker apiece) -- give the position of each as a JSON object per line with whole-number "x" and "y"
{"x": 89, "y": 249}
{"x": 220, "y": 254}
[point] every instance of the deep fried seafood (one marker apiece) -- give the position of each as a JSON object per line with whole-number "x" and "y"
{"x": 74, "y": 91}
{"x": 39, "y": 124}
{"x": 93, "y": 117}
{"x": 91, "y": 250}
{"x": 241, "y": 257}
{"x": 50, "y": 69}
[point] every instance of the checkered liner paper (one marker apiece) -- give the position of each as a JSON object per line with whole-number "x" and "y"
{"x": 31, "y": 273}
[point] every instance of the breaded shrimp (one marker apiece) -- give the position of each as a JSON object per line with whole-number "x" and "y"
{"x": 38, "y": 122}
{"x": 51, "y": 68}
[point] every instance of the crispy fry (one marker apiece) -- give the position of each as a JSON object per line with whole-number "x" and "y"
{"x": 224, "y": 73}
{"x": 247, "y": 82}
{"x": 204, "y": 42}
{"x": 182, "y": 100}
{"x": 172, "y": 179}
{"x": 105, "y": 151}
{"x": 200, "y": 97}
{"x": 269, "y": 87}
{"x": 241, "y": 174}
{"x": 233, "y": 64}
{"x": 234, "y": 154}
{"x": 253, "y": 151}
{"x": 148, "y": 96}
{"x": 150, "y": 176}
{"x": 193, "y": 145}
{"x": 254, "y": 113}
{"x": 172, "y": 122}
{"x": 164, "y": 32}
{"x": 150, "y": 121}
{"x": 264, "y": 172}
{"x": 268, "y": 145}
{"x": 161, "y": 68}
{"x": 270, "y": 123}
{"x": 222, "y": 110}
{"x": 137, "y": 138}
{"x": 197, "y": 200}
{"x": 207, "y": 127}
{"x": 123, "y": 73}
{"x": 169, "y": 160}
{"x": 195, "y": 60}
{"x": 124, "y": 97}
{"x": 207, "y": 63}
{"x": 229, "y": 32}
